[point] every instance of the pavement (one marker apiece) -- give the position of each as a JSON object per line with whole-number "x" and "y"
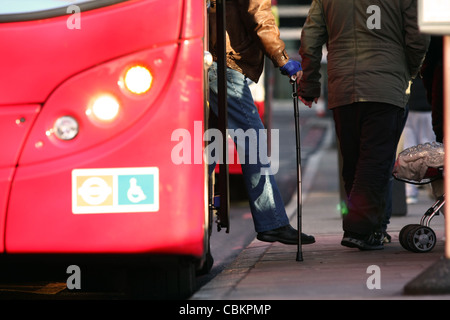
{"x": 328, "y": 270}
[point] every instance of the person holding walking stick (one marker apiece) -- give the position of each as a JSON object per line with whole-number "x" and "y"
{"x": 374, "y": 50}
{"x": 251, "y": 34}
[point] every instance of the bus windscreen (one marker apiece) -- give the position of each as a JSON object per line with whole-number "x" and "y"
{"x": 25, "y": 10}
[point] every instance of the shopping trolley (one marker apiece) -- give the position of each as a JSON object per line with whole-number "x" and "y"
{"x": 422, "y": 164}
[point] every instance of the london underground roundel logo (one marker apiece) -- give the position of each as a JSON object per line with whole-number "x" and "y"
{"x": 114, "y": 190}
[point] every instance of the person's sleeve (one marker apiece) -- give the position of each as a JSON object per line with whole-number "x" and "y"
{"x": 416, "y": 43}
{"x": 260, "y": 21}
{"x": 314, "y": 36}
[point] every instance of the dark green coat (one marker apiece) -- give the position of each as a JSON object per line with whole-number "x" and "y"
{"x": 374, "y": 50}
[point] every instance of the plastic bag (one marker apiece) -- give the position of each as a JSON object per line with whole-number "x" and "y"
{"x": 415, "y": 164}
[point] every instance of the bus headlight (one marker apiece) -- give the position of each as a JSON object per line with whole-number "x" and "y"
{"x": 105, "y": 108}
{"x": 65, "y": 128}
{"x": 138, "y": 79}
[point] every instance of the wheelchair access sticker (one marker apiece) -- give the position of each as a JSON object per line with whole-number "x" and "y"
{"x": 115, "y": 190}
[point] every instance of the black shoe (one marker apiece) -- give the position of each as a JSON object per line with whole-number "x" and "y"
{"x": 373, "y": 241}
{"x": 286, "y": 235}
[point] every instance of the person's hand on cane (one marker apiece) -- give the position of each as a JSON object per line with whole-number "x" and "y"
{"x": 292, "y": 69}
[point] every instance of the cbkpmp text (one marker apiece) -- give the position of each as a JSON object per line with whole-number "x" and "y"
{"x": 228, "y": 309}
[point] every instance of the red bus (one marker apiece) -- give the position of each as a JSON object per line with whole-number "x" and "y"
{"x": 90, "y": 94}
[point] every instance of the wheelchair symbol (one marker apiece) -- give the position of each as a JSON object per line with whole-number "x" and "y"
{"x": 135, "y": 193}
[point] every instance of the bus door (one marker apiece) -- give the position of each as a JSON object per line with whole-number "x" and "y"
{"x": 223, "y": 220}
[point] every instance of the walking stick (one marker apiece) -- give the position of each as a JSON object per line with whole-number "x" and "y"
{"x": 224, "y": 208}
{"x": 293, "y": 81}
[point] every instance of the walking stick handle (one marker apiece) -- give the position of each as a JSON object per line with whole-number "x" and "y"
{"x": 293, "y": 79}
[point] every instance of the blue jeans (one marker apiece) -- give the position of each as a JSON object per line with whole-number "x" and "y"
{"x": 265, "y": 200}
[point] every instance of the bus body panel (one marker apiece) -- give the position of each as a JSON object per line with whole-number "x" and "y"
{"x": 40, "y": 217}
{"x": 37, "y": 56}
{"x": 15, "y": 123}
{"x": 75, "y": 95}
{"x": 6, "y": 175}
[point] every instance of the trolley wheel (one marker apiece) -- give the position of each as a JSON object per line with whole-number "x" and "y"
{"x": 403, "y": 235}
{"x": 421, "y": 239}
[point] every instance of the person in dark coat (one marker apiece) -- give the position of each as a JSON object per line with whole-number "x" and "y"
{"x": 374, "y": 50}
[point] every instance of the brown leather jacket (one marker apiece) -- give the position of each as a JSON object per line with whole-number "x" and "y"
{"x": 251, "y": 33}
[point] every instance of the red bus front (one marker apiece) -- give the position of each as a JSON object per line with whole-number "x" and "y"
{"x": 90, "y": 94}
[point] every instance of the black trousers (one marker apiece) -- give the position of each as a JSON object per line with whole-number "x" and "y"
{"x": 368, "y": 134}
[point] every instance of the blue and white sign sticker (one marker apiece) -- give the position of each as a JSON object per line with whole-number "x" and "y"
{"x": 114, "y": 190}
